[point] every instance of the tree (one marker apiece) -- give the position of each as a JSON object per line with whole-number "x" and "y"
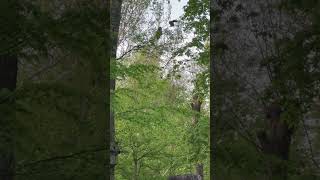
{"x": 256, "y": 63}
{"x": 154, "y": 118}
{"x": 44, "y": 110}
{"x": 196, "y": 20}
{"x": 152, "y": 122}
{"x": 115, "y": 23}
{"x": 8, "y": 81}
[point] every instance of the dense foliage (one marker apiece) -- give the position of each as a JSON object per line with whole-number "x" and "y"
{"x": 153, "y": 115}
{"x": 153, "y": 119}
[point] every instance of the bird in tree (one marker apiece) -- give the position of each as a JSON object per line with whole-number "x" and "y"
{"x": 172, "y": 22}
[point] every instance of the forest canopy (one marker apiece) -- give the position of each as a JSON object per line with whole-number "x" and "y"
{"x": 161, "y": 96}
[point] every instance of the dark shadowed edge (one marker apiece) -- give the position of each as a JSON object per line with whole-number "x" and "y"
{"x": 212, "y": 119}
{"x": 107, "y": 40}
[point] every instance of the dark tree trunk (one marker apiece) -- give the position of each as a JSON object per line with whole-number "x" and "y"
{"x": 115, "y": 23}
{"x": 8, "y": 79}
{"x": 8, "y": 72}
{"x": 196, "y": 107}
{"x": 275, "y": 140}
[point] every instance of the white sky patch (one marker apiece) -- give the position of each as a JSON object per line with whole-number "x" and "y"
{"x": 172, "y": 11}
{"x": 177, "y": 8}
{"x": 188, "y": 73}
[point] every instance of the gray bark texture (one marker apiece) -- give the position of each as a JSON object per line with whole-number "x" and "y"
{"x": 244, "y": 36}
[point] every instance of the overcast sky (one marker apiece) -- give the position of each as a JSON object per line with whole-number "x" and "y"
{"x": 177, "y": 8}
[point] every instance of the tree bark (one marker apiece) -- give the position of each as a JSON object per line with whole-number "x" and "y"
{"x": 115, "y": 23}
{"x": 135, "y": 169}
{"x": 275, "y": 140}
{"x": 199, "y": 170}
{"x": 8, "y": 80}
{"x": 196, "y": 107}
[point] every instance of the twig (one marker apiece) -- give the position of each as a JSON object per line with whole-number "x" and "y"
{"x": 43, "y": 70}
{"x": 63, "y": 156}
{"x": 245, "y": 137}
{"x": 73, "y": 155}
{"x": 250, "y": 136}
{"x": 309, "y": 143}
{"x": 133, "y": 49}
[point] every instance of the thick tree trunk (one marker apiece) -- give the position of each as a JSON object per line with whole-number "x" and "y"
{"x": 115, "y": 23}
{"x": 8, "y": 79}
{"x": 275, "y": 140}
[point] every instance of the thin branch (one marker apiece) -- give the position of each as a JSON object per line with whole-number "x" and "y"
{"x": 43, "y": 70}
{"x": 250, "y": 136}
{"x": 247, "y": 82}
{"x": 62, "y": 157}
{"x": 148, "y": 153}
{"x": 73, "y": 155}
{"x": 245, "y": 137}
{"x": 135, "y": 48}
{"x": 309, "y": 143}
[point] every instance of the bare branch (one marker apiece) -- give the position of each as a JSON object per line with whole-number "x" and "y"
{"x": 309, "y": 143}
{"x": 62, "y": 157}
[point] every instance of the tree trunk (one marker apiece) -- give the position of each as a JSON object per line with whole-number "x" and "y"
{"x": 196, "y": 106}
{"x": 199, "y": 170}
{"x": 8, "y": 79}
{"x": 136, "y": 170}
{"x": 115, "y": 23}
{"x": 275, "y": 140}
